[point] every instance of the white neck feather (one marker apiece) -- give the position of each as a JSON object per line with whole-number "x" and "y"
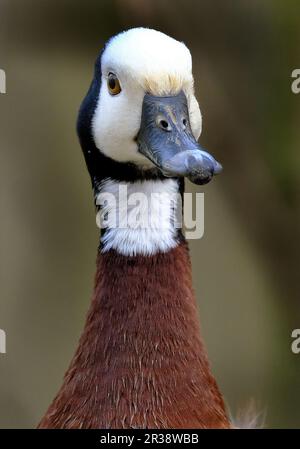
{"x": 139, "y": 217}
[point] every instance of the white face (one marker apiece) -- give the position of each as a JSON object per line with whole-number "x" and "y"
{"x": 143, "y": 60}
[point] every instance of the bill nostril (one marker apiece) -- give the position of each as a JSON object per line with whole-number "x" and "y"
{"x": 164, "y": 124}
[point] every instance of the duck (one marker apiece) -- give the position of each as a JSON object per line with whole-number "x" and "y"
{"x": 141, "y": 362}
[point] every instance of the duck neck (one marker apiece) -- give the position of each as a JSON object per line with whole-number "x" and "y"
{"x": 143, "y": 217}
{"x": 140, "y": 362}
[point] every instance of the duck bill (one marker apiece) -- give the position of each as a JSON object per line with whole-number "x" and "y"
{"x": 165, "y": 137}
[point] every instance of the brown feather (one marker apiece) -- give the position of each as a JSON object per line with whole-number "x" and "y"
{"x": 140, "y": 362}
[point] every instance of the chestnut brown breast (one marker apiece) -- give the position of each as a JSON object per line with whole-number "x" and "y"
{"x": 140, "y": 362}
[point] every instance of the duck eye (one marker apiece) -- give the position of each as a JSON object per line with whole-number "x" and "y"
{"x": 113, "y": 84}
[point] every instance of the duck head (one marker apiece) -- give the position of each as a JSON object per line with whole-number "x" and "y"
{"x": 140, "y": 114}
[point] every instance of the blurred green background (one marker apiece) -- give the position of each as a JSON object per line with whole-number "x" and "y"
{"x": 246, "y": 268}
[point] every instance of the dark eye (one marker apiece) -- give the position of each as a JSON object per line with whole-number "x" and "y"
{"x": 113, "y": 84}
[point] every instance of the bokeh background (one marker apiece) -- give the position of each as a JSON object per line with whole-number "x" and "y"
{"x": 246, "y": 268}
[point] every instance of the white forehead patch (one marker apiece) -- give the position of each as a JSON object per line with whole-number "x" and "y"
{"x": 159, "y": 63}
